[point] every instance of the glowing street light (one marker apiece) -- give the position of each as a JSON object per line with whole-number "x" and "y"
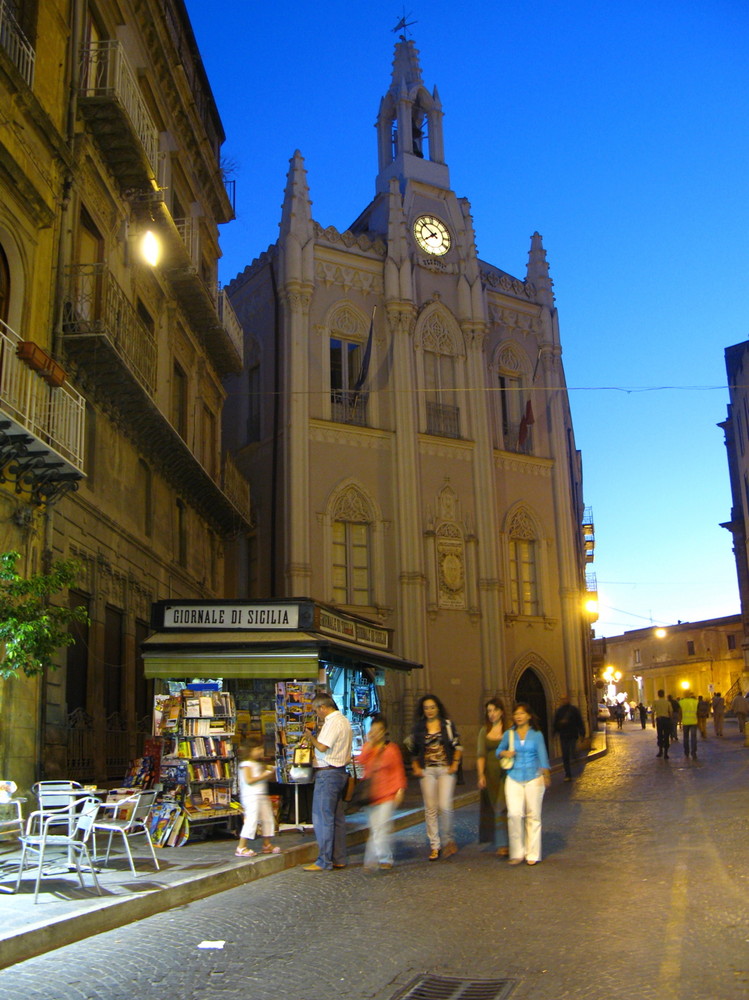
{"x": 660, "y": 633}
{"x": 150, "y": 248}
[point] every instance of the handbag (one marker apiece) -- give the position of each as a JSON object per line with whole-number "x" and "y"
{"x": 348, "y": 791}
{"x": 506, "y": 763}
{"x": 362, "y": 792}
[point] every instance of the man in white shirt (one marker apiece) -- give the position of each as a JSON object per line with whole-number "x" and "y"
{"x": 332, "y": 746}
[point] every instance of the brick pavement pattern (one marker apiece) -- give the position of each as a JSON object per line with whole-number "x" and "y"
{"x": 641, "y": 894}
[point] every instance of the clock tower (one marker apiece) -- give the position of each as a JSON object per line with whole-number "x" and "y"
{"x": 405, "y": 426}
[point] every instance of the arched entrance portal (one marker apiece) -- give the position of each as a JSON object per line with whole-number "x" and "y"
{"x": 531, "y": 689}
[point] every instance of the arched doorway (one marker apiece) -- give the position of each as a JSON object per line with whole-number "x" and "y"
{"x": 531, "y": 689}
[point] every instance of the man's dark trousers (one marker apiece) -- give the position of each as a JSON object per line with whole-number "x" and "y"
{"x": 663, "y": 729}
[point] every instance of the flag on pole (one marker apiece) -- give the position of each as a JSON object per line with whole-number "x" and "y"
{"x": 525, "y": 423}
{"x": 364, "y": 370}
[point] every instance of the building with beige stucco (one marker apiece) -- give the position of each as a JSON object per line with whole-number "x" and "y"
{"x": 109, "y": 131}
{"x": 403, "y": 418}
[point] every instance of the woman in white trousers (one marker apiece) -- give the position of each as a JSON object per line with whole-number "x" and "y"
{"x": 525, "y": 785}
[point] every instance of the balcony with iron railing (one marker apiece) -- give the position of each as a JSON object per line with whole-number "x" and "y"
{"x": 349, "y": 407}
{"x": 42, "y": 426}
{"x": 112, "y": 103}
{"x": 106, "y": 338}
{"x": 14, "y": 43}
{"x": 103, "y": 329}
{"x": 206, "y": 306}
{"x": 236, "y": 488}
{"x": 443, "y": 419}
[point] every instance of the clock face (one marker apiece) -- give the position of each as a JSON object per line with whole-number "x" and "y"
{"x": 432, "y": 235}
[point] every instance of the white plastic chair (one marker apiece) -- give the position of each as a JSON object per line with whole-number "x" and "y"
{"x": 73, "y": 843}
{"x": 135, "y": 825}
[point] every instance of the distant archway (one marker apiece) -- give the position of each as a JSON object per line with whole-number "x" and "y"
{"x": 531, "y": 689}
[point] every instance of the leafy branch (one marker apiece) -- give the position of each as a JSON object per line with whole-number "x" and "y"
{"x": 32, "y": 629}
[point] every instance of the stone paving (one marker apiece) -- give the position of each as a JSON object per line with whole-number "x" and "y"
{"x": 642, "y": 894}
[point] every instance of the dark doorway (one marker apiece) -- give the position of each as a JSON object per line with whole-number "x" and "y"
{"x": 531, "y": 689}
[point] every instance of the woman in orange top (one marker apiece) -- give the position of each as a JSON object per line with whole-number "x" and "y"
{"x": 383, "y": 765}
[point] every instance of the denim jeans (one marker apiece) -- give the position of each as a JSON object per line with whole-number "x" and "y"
{"x": 328, "y": 818}
{"x": 437, "y": 790}
{"x": 689, "y": 736}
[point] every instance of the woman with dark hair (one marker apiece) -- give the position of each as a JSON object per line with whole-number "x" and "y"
{"x": 436, "y": 752}
{"x": 491, "y": 779}
{"x": 526, "y": 782}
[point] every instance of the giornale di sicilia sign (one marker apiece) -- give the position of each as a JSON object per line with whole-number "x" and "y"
{"x": 256, "y": 616}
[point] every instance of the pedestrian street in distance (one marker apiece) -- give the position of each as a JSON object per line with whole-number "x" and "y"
{"x": 642, "y": 893}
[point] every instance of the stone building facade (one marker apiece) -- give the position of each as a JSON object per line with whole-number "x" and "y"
{"x": 736, "y": 430}
{"x": 110, "y": 147}
{"x": 705, "y": 656}
{"x": 403, "y": 419}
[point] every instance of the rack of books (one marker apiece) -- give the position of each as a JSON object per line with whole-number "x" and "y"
{"x": 197, "y": 768}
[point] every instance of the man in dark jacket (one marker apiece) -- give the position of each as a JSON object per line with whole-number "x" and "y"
{"x": 568, "y": 723}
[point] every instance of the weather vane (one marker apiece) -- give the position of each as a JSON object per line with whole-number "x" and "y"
{"x": 404, "y": 24}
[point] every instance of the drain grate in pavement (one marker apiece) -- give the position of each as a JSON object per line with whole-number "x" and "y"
{"x": 448, "y": 988}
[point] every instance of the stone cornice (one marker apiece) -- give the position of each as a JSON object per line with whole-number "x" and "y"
{"x": 332, "y": 237}
{"x": 357, "y": 437}
{"x": 446, "y": 448}
{"x": 527, "y": 464}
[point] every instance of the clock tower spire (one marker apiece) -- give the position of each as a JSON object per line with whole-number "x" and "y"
{"x": 410, "y": 141}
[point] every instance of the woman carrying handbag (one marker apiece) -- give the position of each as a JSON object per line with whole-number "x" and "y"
{"x": 525, "y": 784}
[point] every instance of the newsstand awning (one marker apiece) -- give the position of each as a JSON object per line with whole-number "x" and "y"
{"x": 179, "y": 649}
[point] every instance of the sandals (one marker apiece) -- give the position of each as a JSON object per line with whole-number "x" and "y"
{"x": 434, "y": 855}
{"x": 245, "y": 852}
{"x": 503, "y": 852}
{"x": 271, "y": 850}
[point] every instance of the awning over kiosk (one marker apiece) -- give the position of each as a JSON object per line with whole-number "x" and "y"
{"x": 275, "y": 655}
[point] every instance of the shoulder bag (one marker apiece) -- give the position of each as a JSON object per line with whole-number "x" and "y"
{"x": 506, "y": 763}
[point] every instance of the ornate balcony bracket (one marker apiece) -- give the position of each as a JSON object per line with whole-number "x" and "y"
{"x": 34, "y": 472}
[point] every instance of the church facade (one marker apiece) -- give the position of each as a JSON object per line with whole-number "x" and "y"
{"x": 404, "y": 422}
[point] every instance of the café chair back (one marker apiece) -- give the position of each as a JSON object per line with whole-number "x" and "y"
{"x": 38, "y": 840}
{"x": 135, "y": 825}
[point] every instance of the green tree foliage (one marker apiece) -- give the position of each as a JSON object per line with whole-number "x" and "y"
{"x": 31, "y": 628}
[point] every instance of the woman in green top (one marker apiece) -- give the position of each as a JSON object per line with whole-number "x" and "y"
{"x": 491, "y": 779}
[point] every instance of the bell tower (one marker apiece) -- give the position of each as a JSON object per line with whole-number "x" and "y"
{"x": 410, "y": 141}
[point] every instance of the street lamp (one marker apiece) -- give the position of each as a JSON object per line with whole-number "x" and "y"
{"x": 660, "y": 633}
{"x": 150, "y": 248}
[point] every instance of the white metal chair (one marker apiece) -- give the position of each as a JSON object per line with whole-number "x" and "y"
{"x": 139, "y": 806}
{"x": 74, "y": 843}
{"x": 11, "y": 806}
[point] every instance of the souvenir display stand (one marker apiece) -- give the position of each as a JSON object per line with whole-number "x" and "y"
{"x": 294, "y": 762}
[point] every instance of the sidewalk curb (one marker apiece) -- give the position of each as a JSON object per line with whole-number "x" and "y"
{"x": 42, "y": 937}
{"x": 63, "y": 930}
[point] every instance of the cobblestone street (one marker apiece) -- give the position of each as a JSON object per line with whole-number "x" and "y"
{"x": 642, "y": 893}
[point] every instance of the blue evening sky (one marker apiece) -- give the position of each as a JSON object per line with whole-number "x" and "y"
{"x": 619, "y": 132}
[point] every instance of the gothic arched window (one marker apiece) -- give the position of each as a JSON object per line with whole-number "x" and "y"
{"x": 351, "y": 545}
{"x": 4, "y": 286}
{"x": 513, "y": 399}
{"x": 442, "y": 411}
{"x": 347, "y": 346}
{"x": 523, "y": 543}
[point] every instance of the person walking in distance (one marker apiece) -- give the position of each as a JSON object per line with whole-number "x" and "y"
{"x": 703, "y": 713}
{"x": 740, "y": 708}
{"x": 643, "y": 714}
{"x": 662, "y": 711}
{"x": 675, "y": 718}
{"x": 569, "y": 725}
{"x": 719, "y": 711}
{"x": 688, "y": 705}
{"x": 332, "y": 753}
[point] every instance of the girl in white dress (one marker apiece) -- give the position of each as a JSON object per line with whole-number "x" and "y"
{"x": 256, "y": 804}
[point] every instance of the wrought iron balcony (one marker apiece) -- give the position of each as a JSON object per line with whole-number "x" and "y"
{"x": 443, "y": 420}
{"x": 349, "y": 407}
{"x": 116, "y": 354}
{"x": 236, "y": 488}
{"x": 104, "y": 332}
{"x": 42, "y": 427}
{"x": 112, "y": 103}
{"x": 16, "y": 45}
{"x": 205, "y": 305}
